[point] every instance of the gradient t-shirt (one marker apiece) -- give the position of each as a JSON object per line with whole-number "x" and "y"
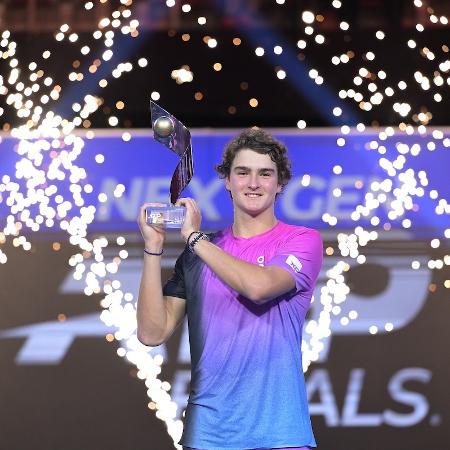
{"x": 247, "y": 384}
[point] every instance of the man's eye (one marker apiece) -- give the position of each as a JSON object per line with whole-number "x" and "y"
{"x": 266, "y": 174}
{"x": 242, "y": 173}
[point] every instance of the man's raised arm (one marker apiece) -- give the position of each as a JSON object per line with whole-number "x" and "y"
{"x": 157, "y": 316}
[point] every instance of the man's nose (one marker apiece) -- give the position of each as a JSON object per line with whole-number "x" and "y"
{"x": 253, "y": 181}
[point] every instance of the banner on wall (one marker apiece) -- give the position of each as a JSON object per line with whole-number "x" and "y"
{"x": 329, "y": 179}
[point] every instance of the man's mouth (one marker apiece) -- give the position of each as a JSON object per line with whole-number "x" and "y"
{"x": 253, "y": 195}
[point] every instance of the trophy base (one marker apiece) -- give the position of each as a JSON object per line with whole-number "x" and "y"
{"x": 165, "y": 216}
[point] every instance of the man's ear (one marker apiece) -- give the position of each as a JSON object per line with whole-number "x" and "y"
{"x": 227, "y": 183}
{"x": 279, "y": 188}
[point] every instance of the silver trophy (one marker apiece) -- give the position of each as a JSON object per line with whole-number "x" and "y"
{"x": 170, "y": 132}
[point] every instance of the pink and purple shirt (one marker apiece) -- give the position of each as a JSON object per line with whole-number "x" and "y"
{"x": 247, "y": 384}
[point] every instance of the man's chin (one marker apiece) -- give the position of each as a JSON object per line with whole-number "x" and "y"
{"x": 254, "y": 211}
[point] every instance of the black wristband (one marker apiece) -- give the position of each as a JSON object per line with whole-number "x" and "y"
{"x": 152, "y": 254}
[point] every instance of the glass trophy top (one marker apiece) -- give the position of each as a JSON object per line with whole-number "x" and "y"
{"x": 170, "y": 132}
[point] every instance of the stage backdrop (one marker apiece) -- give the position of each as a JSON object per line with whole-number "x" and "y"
{"x": 63, "y": 385}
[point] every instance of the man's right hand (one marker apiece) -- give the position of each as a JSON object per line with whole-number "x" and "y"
{"x": 153, "y": 235}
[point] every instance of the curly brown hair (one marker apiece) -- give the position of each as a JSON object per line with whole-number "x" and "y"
{"x": 261, "y": 142}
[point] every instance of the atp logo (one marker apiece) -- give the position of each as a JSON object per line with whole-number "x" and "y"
{"x": 398, "y": 303}
{"x": 398, "y": 300}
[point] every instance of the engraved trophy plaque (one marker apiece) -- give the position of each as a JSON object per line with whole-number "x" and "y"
{"x": 170, "y": 132}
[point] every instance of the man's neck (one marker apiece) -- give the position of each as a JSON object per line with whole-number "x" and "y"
{"x": 249, "y": 226}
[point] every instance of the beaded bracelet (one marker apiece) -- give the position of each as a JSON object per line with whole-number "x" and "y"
{"x": 200, "y": 236}
{"x": 152, "y": 254}
{"x": 189, "y": 237}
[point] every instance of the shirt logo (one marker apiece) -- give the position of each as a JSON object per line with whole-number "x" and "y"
{"x": 261, "y": 260}
{"x": 294, "y": 263}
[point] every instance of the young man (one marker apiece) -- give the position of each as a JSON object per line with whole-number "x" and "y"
{"x": 246, "y": 291}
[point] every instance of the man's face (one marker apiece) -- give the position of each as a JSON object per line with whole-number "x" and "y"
{"x": 253, "y": 182}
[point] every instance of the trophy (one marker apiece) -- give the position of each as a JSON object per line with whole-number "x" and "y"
{"x": 170, "y": 132}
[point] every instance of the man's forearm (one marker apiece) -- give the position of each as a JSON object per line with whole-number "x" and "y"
{"x": 151, "y": 309}
{"x": 250, "y": 280}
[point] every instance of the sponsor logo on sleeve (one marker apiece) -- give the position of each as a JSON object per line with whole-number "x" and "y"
{"x": 292, "y": 261}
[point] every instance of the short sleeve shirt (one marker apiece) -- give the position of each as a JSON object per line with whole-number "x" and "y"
{"x": 247, "y": 384}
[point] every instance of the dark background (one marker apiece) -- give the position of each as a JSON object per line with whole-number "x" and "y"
{"x": 281, "y": 103}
